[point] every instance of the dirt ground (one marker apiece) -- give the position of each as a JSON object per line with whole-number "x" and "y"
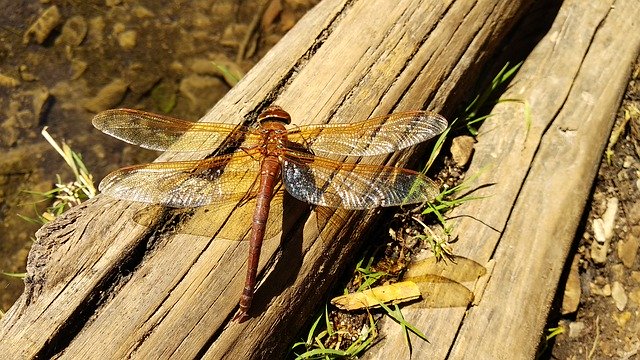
{"x": 162, "y": 56}
{"x": 601, "y": 299}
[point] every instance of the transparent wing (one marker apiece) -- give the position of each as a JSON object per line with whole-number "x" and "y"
{"x": 379, "y": 135}
{"x": 213, "y": 220}
{"x": 157, "y": 132}
{"x": 330, "y": 183}
{"x": 186, "y": 183}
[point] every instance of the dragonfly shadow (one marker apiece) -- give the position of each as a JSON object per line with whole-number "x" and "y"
{"x": 232, "y": 222}
{"x": 285, "y": 264}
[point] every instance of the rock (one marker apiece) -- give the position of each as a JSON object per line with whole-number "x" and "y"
{"x": 603, "y": 231}
{"x": 462, "y": 149}
{"x": 128, "y": 39}
{"x": 8, "y": 81}
{"x": 287, "y": 20}
{"x": 43, "y": 26}
{"x": 9, "y": 133}
{"x": 108, "y": 97}
{"x": 40, "y": 100}
{"x": 575, "y": 328}
{"x": 633, "y": 215}
{"x": 204, "y": 66}
{"x": 622, "y": 319}
{"x": 219, "y": 66}
{"x": 177, "y": 67}
{"x": 96, "y": 31}
{"x": 270, "y": 14}
{"x": 142, "y": 84}
{"x": 73, "y": 32}
{"x": 233, "y": 35}
{"x": 221, "y": 10}
{"x": 634, "y": 296}
{"x": 201, "y": 21}
{"x": 619, "y": 296}
{"x": 604, "y": 291}
{"x": 25, "y": 74}
{"x": 598, "y": 252}
{"x": 617, "y": 272}
{"x": 202, "y": 91}
{"x": 298, "y": 3}
{"x": 118, "y": 28}
{"x": 628, "y": 250}
{"x": 598, "y": 230}
{"x": 142, "y": 12}
{"x": 609, "y": 217}
{"x": 78, "y": 67}
{"x": 572, "y": 289}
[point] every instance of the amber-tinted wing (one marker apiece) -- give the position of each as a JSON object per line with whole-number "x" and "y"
{"x": 209, "y": 220}
{"x": 330, "y": 183}
{"x": 379, "y": 135}
{"x": 157, "y": 132}
{"x": 187, "y": 183}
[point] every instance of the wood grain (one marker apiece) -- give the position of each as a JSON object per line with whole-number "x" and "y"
{"x": 99, "y": 285}
{"x": 536, "y": 172}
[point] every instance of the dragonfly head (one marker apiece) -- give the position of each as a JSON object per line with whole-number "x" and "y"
{"x": 274, "y": 113}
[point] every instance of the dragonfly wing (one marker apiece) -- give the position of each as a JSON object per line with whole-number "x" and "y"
{"x": 208, "y": 220}
{"x": 186, "y": 183}
{"x": 330, "y": 183}
{"x": 157, "y": 132}
{"x": 379, "y": 135}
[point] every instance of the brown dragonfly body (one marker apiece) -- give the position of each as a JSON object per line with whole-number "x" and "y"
{"x": 273, "y": 122}
{"x": 267, "y": 154}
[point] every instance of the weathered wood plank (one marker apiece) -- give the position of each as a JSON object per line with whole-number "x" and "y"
{"x": 542, "y": 174}
{"x": 101, "y": 285}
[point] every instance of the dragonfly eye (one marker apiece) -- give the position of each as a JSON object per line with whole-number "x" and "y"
{"x": 275, "y": 113}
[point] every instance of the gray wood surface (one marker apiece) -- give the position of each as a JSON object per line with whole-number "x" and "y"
{"x": 540, "y": 168}
{"x": 100, "y": 285}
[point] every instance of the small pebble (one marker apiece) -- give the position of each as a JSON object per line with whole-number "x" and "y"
{"x": 43, "y": 26}
{"x": 8, "y": 81}
{"x": 619, "y": 296}
{"x": 622, "y": 319}
{"x": 634, "y": 296}
{"x": 572, "y": 289}
{"x": 74, "y": 31}
{"x": 609, "y": 217}
{"x": 628, "y": 250}
{"x": 575, "y": 328}
{"x": 598, "y": 230}
{"x": 108, "y": 97}
{"x": 462, "y": 149}
{"x": 603, "y": 291}
{"x": 128, "y": 39}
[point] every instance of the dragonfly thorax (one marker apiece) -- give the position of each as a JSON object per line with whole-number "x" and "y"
{"x": 274, "y": 113}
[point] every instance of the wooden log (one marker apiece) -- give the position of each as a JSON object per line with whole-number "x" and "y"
{"x": 100, "y": 285}
{"x": 540, "y": 158}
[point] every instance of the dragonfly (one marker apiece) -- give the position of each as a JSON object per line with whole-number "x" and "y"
{"x": 248, "y": 162}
